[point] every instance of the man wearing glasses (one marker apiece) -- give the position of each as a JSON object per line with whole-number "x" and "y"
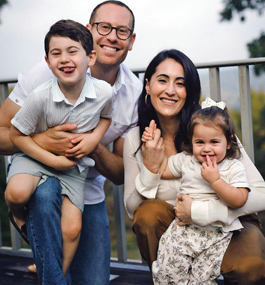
{"x": 112, "y": 25}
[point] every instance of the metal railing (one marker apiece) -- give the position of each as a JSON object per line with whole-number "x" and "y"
{"x": 215, "y": 93}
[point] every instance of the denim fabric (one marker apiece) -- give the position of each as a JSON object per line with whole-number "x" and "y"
{"x": 44, "y": 232}
{"x": 92, "y": 261}
{"x": 91, "y": 265}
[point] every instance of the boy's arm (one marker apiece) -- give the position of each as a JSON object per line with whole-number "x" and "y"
{"x": 87, "y": 142}
{"x": 27, "y": 145}
{"x": 55, "y": 140}
{"x": 232, "y": 196}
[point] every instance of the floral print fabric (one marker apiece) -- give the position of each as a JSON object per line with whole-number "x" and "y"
{"x": 190, "y": 255}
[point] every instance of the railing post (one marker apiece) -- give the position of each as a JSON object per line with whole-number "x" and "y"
{"x": 3, "y": 92}
{"x": 215, "y": 89}
{"x": 3, "y": 96}
{"x": 246, "y": 114}
{"x": 15, "y": 238}
{"x": 120, "y": 223}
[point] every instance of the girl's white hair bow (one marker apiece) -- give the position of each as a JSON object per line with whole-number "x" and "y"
{"x": 211, "y": 103}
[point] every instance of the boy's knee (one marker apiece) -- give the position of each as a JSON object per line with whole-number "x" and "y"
{"x": 16, "y": 196}
{"x": 71, "y": 232}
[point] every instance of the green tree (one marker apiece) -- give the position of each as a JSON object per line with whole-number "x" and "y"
{"x": 256, "y": 48}
{"x": 239, "y": 6}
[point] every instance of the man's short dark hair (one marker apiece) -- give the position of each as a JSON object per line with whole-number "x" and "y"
{"x": 118, "y": 3}
{"x": 73, "y": 30}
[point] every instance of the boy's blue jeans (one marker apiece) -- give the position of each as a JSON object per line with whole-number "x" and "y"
{"x": 92, "y": 261}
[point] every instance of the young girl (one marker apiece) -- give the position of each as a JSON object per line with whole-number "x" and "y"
{"x": 209, "y": 170}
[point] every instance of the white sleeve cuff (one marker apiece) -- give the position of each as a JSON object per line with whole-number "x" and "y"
{"x": 208, "y": 212}
{"x": 147, "y": 183}
{"x": 200, "y": 213}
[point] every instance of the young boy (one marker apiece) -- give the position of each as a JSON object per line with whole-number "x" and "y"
{"x": 71, "y": 96}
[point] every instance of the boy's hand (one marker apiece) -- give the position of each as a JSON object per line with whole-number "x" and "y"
{"x": 210, "y": 171}
{"x": 63, "y": 163}
{"x": 84, "y": 145}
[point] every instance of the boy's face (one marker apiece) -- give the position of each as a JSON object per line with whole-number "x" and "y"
{"x": 112, "y": 51}
{"x": 68, "y": 61}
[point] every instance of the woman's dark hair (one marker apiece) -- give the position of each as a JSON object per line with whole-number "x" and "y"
{"x": 217, "y": 118}
{"x": 192, "y": 84}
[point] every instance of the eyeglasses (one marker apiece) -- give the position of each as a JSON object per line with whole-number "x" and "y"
{"x": 104, "y": 29}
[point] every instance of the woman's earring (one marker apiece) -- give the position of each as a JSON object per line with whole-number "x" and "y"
{"x": 145, "y": 98}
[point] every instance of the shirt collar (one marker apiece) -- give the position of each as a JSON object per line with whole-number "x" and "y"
{"x": 120, "y": 80}
{"x": 88, "y": 91}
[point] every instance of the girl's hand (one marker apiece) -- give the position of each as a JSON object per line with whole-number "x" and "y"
{"x": 210, "y": 171}
{"x": 183, "y": 209}
{"x": 148, "y": 133}
{"x": 153, "y": 150}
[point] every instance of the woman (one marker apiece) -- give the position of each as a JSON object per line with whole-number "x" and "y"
{"x": 170, "y": 96}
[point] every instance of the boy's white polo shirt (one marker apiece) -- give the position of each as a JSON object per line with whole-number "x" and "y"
{"x": 127, "y": 89}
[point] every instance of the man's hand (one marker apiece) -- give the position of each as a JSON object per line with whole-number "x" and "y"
{"x": 58, "y": 139}
{"x": 183, "y": 209}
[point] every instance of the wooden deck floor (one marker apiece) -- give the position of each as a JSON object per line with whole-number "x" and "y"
{"x": 13, "y": 271}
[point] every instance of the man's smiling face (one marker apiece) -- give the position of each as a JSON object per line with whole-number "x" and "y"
{"x": 111, "y": 51}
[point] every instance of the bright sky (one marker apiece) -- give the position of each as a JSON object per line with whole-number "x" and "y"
{"x": 188, "y": 25}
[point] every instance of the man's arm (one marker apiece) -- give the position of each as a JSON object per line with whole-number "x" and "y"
{"x": 7, "y": 112}
{"x": 27, "y": 145}
{"x": 110, "y": 164}
{"x": 56, "y": 140}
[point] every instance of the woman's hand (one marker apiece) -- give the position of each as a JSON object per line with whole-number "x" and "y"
{"x": 153, "y": 150}
{"x": 183, "y": 209}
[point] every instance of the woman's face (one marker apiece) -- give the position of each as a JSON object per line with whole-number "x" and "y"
{"x": 166, "y": 89}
